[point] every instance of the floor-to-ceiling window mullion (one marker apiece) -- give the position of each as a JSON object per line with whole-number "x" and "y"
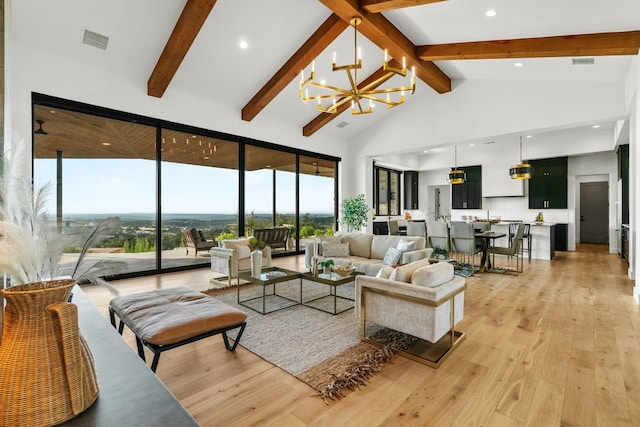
{"x": 158, "y": 198}
{"x": 274, "y": 198}
{"x": 241, "y": 181}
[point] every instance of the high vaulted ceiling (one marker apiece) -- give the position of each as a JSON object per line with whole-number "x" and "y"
{"x": 193, "y": 46}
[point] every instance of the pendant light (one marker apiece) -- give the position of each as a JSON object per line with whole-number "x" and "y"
{"x": 521, "y": 170}
{"x": 456, "y": 176}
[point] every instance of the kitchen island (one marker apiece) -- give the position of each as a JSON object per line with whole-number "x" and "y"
{"x": 542, "y": 238}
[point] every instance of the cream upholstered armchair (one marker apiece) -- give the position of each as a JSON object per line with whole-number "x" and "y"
{"x": 420, "y": 299}
{"x": 233, "y": 256}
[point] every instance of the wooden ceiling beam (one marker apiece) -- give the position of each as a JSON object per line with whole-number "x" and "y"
{"x": 377, "y": 6}
{"x": 385, "y": 35}
{"x": 600, "y": 44}
{"x": 191, "y": 19}
{"x": 319, "y": 41}
{"x": 324, "y": 118}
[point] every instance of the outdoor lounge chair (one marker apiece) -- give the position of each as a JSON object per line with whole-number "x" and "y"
{"x": 195, "y": 239}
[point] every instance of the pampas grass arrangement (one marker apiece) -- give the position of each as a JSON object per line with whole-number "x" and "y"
{"x": 31, "y": 245}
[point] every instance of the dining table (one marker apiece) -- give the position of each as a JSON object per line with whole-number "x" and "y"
{"x": 487, "y": 239}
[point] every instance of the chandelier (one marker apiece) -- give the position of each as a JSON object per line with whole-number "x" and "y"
{"x": 338, "y": 96}
{"x": 521, "y": 170}
{"x": 455, "y": 175}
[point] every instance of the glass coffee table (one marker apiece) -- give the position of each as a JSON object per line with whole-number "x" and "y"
{"x": 271, "y": 276}
{"x": 333, "y": 281}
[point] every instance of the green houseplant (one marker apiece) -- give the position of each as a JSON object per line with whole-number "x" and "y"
{"x": 354, "y": 212}
{"x": 326, "y": 265}
{"x": 439, "y": 253}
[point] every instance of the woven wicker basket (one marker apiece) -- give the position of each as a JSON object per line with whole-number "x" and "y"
{"x": 46, "y": 369}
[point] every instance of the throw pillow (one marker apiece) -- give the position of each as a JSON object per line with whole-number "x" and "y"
{"x": 392, "y": 256}
{"x": 407, "y": 245}
{"x": 202, "y": 238}
{"x": 404, "y": 273}
{"x": 385, "y": 273}
{"x": 433, "y": 275}
{"x": 335, "y": 250}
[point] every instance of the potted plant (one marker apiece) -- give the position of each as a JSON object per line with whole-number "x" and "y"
{"x": 256, "y": 244}
{"x": 439, "y": 253}
{"x": 326, "y": 265}
{"x": 354, "y": 212}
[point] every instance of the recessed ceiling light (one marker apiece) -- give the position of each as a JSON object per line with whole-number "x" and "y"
{"x": 529, "y": 136}
{"x": 243, "y": 44}
{"x": 425, "y": 151}
{"x": 106, "y": 143}
{"x": 491, "y": 13}
{"x": 596, "y": 126}
{"x": 518, "y": 64}
{"x": 471, "y": 145}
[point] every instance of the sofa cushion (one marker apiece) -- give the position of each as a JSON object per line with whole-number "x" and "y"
{"x": 359, "y": 244}
{"x": 405, "y": 272}
{"x": 392, "y": 256}
{"x": 433, "y": 275}
{"x": 243, "y": 251}
{"x": 407, "y": 245}
{"x": 339, "y": 250}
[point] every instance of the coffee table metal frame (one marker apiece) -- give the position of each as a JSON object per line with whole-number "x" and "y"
{"x": 333, "y": 280}
{"x": 265, "y": 281}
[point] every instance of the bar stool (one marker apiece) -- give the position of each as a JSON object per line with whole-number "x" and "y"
{"x": 513, "y": 227}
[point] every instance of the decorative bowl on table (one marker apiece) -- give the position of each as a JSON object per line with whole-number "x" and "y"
{"x": 342, "y": 270}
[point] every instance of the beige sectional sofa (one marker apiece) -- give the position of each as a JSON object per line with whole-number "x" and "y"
{"x": 366, "y": 252}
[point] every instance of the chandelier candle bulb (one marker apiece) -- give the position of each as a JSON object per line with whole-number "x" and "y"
{"x": 313, "y": 66}
{"x": 404, "y": 63}
{"x": 386, "y": 56}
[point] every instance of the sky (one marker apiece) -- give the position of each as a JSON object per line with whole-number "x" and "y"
{"x": 128, "y": 186}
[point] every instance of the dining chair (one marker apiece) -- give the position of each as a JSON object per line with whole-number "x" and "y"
{"x": 463, "y": 242}
{"x": 514, "y": 250}
{"x": 526, "y": 235}
{"x": 394, "y": 229}
{"x": 416, "y": 228}
{"x": 438, "y": 235}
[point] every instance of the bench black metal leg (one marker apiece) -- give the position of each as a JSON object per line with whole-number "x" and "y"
{"x": 235, "y": 342}
{"x": 154, "y": 363}
{"x": 140, "y": 349}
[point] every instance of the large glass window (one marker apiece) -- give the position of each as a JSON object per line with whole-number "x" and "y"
{"x": 107, "y": 170}
{"x": 199, "y": 196}
{"x": 176, "y": 189}
{"x": 317, "y": 197}
{"x": 387, "y": 191}
{"x": 270, "y": 192}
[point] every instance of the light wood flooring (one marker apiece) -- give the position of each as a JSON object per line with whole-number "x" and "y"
{"x": 556, "y": 346}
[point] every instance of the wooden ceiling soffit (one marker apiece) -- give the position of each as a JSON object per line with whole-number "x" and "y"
{"x": 319, "y": 41}
{"x": 377, "y": 6}
{"x": 191, "y": 19}
{"x": 385, "y": 35}
{"x": 374, "y": 80}
{"x": 600, "y": 44}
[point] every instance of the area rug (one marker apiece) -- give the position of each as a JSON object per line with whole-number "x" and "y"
{"x": 321, "y": 349}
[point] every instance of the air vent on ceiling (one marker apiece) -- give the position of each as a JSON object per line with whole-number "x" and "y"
{"x": 341, "y": 124}
{"x": 583, "y": 61}
{"x": 94, "y": 39}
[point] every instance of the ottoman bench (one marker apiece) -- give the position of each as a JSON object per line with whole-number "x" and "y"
{"x": 168, "y": 318}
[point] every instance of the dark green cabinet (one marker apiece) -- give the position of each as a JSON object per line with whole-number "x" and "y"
{"x": 469, "y": 194}
{"x": 548, "y": 184}
{"x": 410, "y": 190}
